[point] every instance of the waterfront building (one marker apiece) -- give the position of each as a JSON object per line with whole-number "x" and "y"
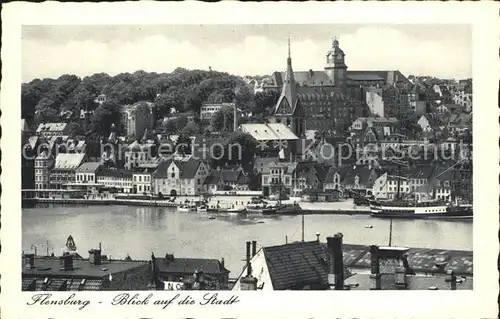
{"x": 292, "y": 178}
{"x": 357, "y": 179}
{"x": 48, "y": 130}
{"x": 135, "y": 119}
{"x": 118, "y": 179}
{"x": 95, "y": 273}
{"x": 64, "y": 170}
{"x": 173, "y": 273}
{"x": 86, "y": 173}
{"x": 180, "y": 176}
{"x": 226, "y": 179}
{"x": 142, "y": 181}
{"x": 386, "y": 186}
{"x": 43, "y": 164}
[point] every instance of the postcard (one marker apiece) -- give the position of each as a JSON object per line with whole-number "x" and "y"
{"x": 232, "y": 160}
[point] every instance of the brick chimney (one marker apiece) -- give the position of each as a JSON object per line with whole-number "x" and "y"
{"x": 29, "y": 261}
{"x": 248, "y": 282}
{"x": 95, "y": 256}
{"x": 336, "y": 273}
{"x": 254, "y": 248}
{"x": 375, "y": 277}
{"x": 66, "y": 262}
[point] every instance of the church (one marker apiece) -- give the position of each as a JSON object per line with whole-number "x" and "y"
{"x": 335, "y": 74}
{"x": 329, "y": 100}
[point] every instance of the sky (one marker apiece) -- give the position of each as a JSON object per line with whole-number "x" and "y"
{"x": 437, "y": 50}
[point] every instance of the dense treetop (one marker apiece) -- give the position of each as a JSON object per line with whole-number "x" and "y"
{"x": 45, "y": 100}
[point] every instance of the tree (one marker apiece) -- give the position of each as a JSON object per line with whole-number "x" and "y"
{"x": 181, "y": 122}
{"x": 223, "y": 119}
{"x": 190, "y": 129}
{"x": 244, "y": 97}
{"x": 170, "y": 126}
{"x": 264, "y": 102}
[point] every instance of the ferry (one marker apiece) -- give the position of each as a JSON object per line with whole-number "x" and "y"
{"x": 420, "y": 210}
{"x": 264, "y": 209}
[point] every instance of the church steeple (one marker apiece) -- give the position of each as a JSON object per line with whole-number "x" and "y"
{"x": 289, "y": 90}
{"x": 288, "y": 109}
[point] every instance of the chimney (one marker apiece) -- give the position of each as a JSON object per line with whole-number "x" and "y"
{"x": 254, "y": 248}
{"x": 29, "y": 261}
{"x": 249, "y": 267}
{"x": 400, "y": 278}
{"x": 375, "y": 276}
{"x": 248, "y": 282}
{"x": 222, "y": 265}
{"x": 95, "y": 256}
{"x": 66, "y": 262}
{"x": 336, "y": 273}
{"x": 317, "y": 237}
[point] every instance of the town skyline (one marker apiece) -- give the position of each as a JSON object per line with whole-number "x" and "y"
{"x": 242, "y": 50}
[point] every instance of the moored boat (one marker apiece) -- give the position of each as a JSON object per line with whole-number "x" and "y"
{"x": 186, "y": 208}
{"x": 202, "y": 209}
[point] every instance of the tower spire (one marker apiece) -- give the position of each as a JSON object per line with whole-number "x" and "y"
{"x": 289, "y": 51}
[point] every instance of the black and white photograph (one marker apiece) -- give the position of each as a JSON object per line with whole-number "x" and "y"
{"x": 175, "y": 158}
{"x": 324, "y": 166}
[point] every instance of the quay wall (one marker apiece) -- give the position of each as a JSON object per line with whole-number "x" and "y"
{"x": 167, "y": 203}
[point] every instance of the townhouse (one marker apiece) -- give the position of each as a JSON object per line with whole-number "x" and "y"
{"x": 180, "y": 176}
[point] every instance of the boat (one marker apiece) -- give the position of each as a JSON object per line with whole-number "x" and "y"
{"x": 264, "y": 209}
{"x": 201, "y": 209}
{"x": 417, "y": 210}
{"x": 236, "y": 210}
{"x": 186, "y": 208}
{"x": 284, "y": 209}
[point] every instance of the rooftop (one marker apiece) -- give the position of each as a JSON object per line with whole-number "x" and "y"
{"x": 82, "y": 268}
{"x": 296, "y": 264}
{"x": 89, "y": 167}
{"x": 51, "y": 127}
{"x": 189, "y": 265}
{"x": 269, "y": 132}
{"x": 363, "y": 282}
{"x": 68, "y": 161}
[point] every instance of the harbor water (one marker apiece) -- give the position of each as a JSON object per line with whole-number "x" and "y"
{"x": 139, "y": 231}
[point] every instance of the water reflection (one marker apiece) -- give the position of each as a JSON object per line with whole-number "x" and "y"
{"x": 141, "y": 230}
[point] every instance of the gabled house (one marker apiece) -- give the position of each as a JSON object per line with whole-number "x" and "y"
{"x": 226, "y": 179}
{"x": 180, "y": 176}
{"x": 357, "y": 179}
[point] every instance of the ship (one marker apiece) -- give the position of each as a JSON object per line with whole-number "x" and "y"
{"x": 420, "y": 210}
{"x": 413, "y": 209}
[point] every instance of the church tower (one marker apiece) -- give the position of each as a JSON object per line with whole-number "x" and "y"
{"x": 288, "y": 109}
{"x": 335, "y": 67}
